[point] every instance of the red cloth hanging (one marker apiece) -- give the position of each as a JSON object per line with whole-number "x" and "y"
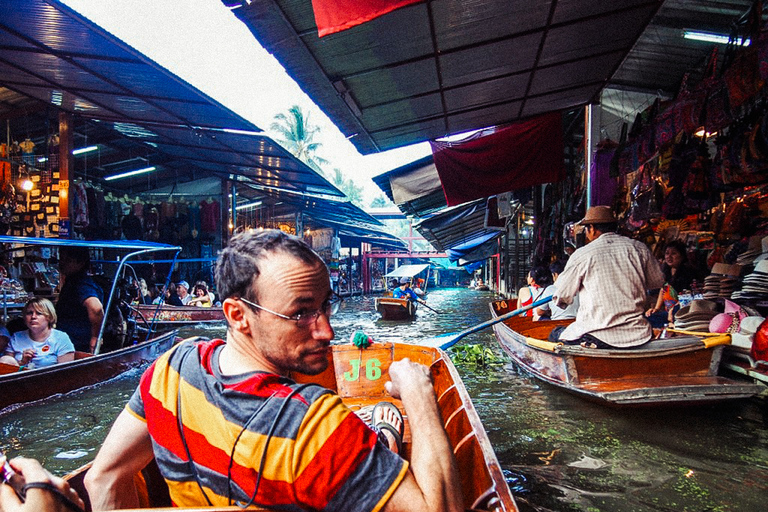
{"x": 517, "y": 156}
{"x": 333, "y": 16}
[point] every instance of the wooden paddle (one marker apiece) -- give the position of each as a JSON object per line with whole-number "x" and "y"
{"x": 448, "y": 340}
{"x": 423, "y": 303}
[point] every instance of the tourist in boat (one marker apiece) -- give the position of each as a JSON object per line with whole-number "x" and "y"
{"x": 610, "y": 275}
{"x": 210, "y": 291}
{"x": 182, "y": 290}
{"x": 277, "y": 302}
{"x": 40, "y": 344}
{"x": 201, "y": 297}
{"x": 538, "y": 278}
{"x": 404, "y": 291}
{"x": 678, "y": 276}
{"x": 44, "y": 491}
{"x": 550, "y": 310}
{"x": 79, "y": 307}
{"x": 5, "y": 338}
{"x": 145, "y": 297}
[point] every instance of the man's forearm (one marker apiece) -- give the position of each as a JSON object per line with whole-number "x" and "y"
{"x": 432, "y": 461}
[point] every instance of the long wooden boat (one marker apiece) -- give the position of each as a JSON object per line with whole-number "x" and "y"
{"x": 30, "y": 385}
{"x": 482, "y": 480}
{"x": 119, "y": 347}
{"x": 678, "y": 370}
{"x": 172, "y": 317}
{"x": 395, "y": 309}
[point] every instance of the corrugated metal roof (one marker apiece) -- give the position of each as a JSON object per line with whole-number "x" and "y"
{"x": 445, "y": 66}
{"x": 138, "y": 113}
{"x": 442, "y": 67}
{"x": 457, "y": 225}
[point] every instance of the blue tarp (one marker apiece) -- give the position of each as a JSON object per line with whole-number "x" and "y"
{"x": 463, "y": 250}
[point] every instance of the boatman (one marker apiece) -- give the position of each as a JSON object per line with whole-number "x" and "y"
{"x": 404, "y": 291}
{"x": 611, "y": 276}
{"x": 227, "y": 424}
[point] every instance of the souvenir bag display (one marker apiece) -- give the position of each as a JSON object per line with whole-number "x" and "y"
{"x": 647, "y": 196}
{"x": 684, "y": 155}
{"x": 742, "y": 69}
{"x": 666, "y": 124}
{"x": 711, "y": 95}
{"x": 696, "y": 188}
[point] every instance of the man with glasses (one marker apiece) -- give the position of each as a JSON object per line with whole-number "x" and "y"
{"x": 228, "y": 426}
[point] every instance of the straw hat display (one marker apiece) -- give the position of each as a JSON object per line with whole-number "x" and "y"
{"x": 696, "y": 316}
{"x": 755, "y": 285}
{"x": 745, "y": 335}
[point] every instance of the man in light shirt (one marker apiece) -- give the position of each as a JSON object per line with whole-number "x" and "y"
{"x": 611, "y": 276}
{"x": 182, "y": 290}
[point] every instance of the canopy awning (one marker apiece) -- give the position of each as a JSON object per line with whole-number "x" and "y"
{"x": 136, "y": 245}
{"x": 408, "y": 270}
{"x": 136, "y": 112}
{"x": 458, "y": 225}
{"x": 432, "y": 69}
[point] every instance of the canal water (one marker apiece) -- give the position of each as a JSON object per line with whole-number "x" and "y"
{"x": 558, "y": 452}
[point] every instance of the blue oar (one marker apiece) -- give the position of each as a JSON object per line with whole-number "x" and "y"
{"x": 448, "y": 340}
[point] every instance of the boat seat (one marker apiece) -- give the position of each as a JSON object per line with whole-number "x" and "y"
{"x": 653, "y": 345}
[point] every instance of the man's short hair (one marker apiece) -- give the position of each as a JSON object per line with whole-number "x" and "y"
{"x": 237, "y": 268}
{"x": 76, "y": 253}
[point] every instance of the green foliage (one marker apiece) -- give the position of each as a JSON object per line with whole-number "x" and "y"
{"x": 353, "y": 192}
{"x": 297, "y": 134}
{"x": 473, "y": 354}
{"x": 381, "y": 201}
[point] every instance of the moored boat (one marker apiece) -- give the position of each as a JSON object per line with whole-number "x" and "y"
{"x": 395, "y": 309}
{"x": 172, "y": 317}
{"x": 120, "y": 345}
{"x": 357, "y": 376}
{"x": 30, "y": 385}
{"x": 678, "y": 370}
{"x": 738, "y": 360}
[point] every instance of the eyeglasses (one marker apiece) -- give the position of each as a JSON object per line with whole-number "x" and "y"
{"x": 307, "y": 318}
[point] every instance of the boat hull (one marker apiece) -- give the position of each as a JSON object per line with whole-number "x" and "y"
{"x": 172, "y": 317}
{"x": 482, "y": 480}
{"x": 395, "y": 309}
{"x": 25, "y": 386}
{"x": 738, "y": 360}
{"x": 672, "y": 371}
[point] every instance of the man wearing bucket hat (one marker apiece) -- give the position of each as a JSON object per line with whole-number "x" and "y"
{"x": 611, "y": 276}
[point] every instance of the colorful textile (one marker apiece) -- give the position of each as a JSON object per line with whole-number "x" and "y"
{"x": 320, "y": 455}
{"x": 47, "y": 352}
{"x": 610, "y": 275}
{"x": 534, "y": 293}
{"x": 518, "y": 156}
{"x": 333, "y": 16}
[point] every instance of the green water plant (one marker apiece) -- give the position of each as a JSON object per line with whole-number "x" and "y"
{"x": 474, "y": 354}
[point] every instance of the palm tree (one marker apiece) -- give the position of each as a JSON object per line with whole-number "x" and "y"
{"x": 297, "y": 136}
{"x": 353, "y": 192}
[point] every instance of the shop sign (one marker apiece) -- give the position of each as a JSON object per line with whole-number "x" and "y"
{"x": 64, "y": 228}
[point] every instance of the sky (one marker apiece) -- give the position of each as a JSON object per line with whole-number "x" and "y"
{"x": 204, "y": 43}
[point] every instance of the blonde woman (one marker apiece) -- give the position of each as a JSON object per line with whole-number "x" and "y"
{"x": 40, "y": 344}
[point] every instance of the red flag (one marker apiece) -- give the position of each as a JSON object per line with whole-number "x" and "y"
{"x": 517, "y": 156}
{"x": 336, "y": 15}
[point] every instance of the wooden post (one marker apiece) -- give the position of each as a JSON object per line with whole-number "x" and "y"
{"x": 65, "y": 162}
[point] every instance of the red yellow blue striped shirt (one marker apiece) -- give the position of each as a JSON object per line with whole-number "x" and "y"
{"x": 320, "y": 456}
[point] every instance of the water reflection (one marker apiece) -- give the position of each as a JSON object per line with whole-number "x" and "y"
{"x": 558, "y": 452}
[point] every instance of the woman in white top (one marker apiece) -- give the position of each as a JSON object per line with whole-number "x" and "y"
{"x": 40, "y": 344}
